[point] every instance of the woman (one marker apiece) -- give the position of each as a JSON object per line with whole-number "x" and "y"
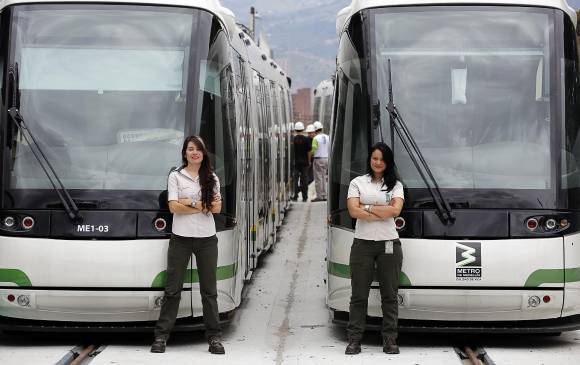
{"x": 374, "y": 200}
{"x": 193, "y": 195}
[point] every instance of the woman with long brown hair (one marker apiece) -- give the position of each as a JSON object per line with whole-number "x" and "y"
{"x": 193, "y": 196}
{"x": 374, "y": 200}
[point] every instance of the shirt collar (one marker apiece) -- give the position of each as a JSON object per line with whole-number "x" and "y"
{"x": 187, "y": 175}
{"x": 370, "y": 179}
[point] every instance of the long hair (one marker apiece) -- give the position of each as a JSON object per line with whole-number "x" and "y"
{"x": 206, "y": 176}
{"x": 390, "y": 173}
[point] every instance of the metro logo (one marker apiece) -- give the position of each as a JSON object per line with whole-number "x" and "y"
{"x": 468, "y": 261}
{"x": 468, "y": 254}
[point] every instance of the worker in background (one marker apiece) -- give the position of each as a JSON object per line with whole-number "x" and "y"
{"x": 302, "y": 146}
{"x": 320, "y": 149}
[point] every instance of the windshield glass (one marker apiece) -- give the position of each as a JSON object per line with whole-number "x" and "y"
{"x": 104, "y": 90}
{"x": 473, "y": 86}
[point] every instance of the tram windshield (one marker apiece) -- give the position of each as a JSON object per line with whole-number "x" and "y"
{"x": 474, "y": 87}
{"x": 110, "y": 91}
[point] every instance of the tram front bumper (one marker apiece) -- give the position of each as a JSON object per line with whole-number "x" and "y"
{"x": 464, "y": 304}
{"x": 467, "y": 310}
{"x": 105, "y": 308}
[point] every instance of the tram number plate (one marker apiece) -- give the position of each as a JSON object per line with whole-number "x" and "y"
{"x": 92, "y": 228}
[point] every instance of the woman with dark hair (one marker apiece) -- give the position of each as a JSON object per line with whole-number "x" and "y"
{"x": 193, "y": 194}
{"x": 374, "y": 200}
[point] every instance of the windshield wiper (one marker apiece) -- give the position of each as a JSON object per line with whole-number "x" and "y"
{"x": 67, "y": 201}
{"x": 398, "y": 125}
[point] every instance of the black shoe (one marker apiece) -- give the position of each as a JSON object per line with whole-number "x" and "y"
{"x": 390, "y": 346}
{"x": 318, "y": 200}
{"x": 353, "y": 347}
{"x": 215, "y": 346}
{"x": 158, "y": 345}
{"x": 304, "y": 200}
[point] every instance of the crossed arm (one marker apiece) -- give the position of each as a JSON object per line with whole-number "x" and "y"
{"x": 376, "y": 212}
{"x": 183, "y": 206}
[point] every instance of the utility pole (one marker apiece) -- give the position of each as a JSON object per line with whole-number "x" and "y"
{"x": 253, "y": 16}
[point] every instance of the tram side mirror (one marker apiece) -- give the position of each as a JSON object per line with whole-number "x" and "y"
{"x": 458, "y": 86}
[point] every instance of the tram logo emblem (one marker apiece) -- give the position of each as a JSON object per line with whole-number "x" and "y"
{"x": 468, "y": 260}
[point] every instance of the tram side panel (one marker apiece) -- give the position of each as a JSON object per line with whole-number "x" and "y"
{"x": 241, "y": 236}
{"x": 571, "y": 275}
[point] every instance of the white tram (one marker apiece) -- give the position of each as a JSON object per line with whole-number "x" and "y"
{"x": 96, "y": 100}
{"x": 322, "y": 108}
{"x": 489, "y": 92}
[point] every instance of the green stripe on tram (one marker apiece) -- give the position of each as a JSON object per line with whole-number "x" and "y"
{"x": 15, "y": 276}
{"x": 343, "y": 271}
{"x": 192, "y": 276}
{"x": 553, "y": 276}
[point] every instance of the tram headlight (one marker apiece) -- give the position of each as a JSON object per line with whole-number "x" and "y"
{"x": 9, "y": 222}
{"x": 534, "y": 301}
{"x": 400, "y": 299}
{"x": 160, "y": 224}
{"x": 159, "y": 302}
{"x": 550, "y": 224}
{"x": 532, "y": 224}
{"x": 23, "y": 300}
{"x": 27, "y": 223}
{"x": 400, "y": 223}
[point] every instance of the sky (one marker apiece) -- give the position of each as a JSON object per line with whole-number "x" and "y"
{"x": 301, "y": 34}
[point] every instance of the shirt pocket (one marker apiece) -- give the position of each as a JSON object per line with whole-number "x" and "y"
{"x": 185, "y": 192}
{"x": 374, "y": 198}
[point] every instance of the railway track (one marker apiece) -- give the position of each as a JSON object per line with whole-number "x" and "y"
{"x": 473, "y": 355}
{"x": 81, "y": 355}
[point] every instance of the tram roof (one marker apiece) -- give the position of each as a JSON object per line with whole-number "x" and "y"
{"x": 325, "y": 87}
{"x": 213, "y": 6}
{"x": 358, "y": 5}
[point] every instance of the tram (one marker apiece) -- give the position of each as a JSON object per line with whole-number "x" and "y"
{"x": 96, "y": 100}
{"x": 322, "y": 109}
{"x": 480, "y": 102}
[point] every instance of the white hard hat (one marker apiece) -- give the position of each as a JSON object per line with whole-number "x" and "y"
{"x": 317, "y": 125}
{"x": 298, "y": 126}
{"x": 310, "y": 128}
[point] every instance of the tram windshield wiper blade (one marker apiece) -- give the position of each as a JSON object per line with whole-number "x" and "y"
{"x": 68, "y": 203}
{"x": 398, "y": 125}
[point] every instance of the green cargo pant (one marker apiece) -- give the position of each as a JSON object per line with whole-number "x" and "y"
{"x": 179, "y": 252}
{"x": 364, "y": 257}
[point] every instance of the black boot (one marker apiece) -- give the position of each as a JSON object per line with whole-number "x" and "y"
{"x": 215, "y": 346}
{"x": 353, "y": 347}
{"x": 158, "y": 345}
{"x": 390, "y": 346}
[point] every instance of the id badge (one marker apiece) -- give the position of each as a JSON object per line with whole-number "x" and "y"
{"x": 389, "y": 247}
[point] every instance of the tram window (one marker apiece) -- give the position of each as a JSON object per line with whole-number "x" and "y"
{"x": 316, "y": 107}
{"x": 217, "y": 118}
{"x": 485, "y": 116}
{"x": 327, "y": 111}
{"x": 571, "y": 148}
{"x": 103, "y": 91}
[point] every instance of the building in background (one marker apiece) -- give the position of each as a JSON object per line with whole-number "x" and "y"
{"x": 302, "y": 105}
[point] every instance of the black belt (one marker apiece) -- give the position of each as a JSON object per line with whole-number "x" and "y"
{"x": 318, "y": 158}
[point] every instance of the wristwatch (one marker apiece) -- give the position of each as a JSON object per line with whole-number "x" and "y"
{"x": 368, "y": 208}
{"x": 192, "y": 204}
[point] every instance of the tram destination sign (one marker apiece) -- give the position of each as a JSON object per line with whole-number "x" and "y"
{"x": 468, "y": 261}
